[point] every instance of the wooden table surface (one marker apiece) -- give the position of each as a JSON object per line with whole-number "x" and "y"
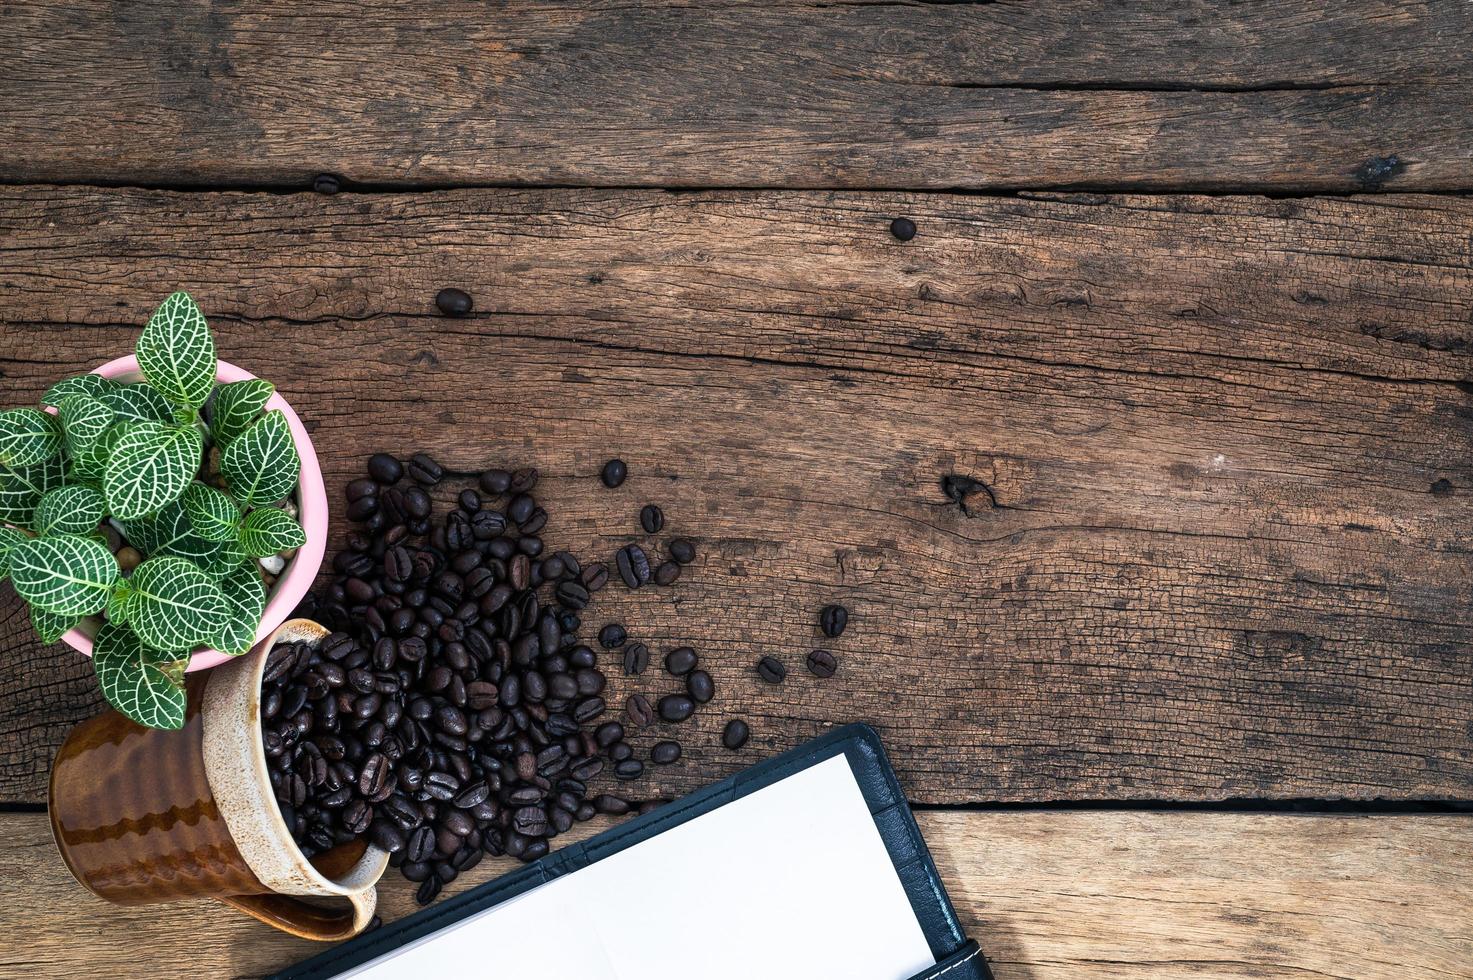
{"x": 1191, "y": 299}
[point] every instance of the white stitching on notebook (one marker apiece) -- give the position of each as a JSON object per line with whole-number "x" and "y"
{"x": 967, "y": 959}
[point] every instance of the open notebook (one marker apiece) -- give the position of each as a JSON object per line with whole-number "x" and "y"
{"x": 795, "y": 869}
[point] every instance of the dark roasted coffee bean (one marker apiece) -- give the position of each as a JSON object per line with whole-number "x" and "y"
{"x": 620, "y": 751}
{"x": 398, "y": 565}
{"x": 608, "y": 733}
{"x": 681, "y": 661}
{"x": 612, "y": 636}
{"x": 420, "y": 845}
{"x": 458, "y": 822}
{"x": 524, "y": 479}
{"x": 469, "y": 501}
{"x": 771, "y": 670}
{"x": 385, "y": 468}
{"x": 676, "y": 707}
{"x": 665, "y": 753}
{"x": 416, "y": 870}
{"x": 651, "y": 518}
{"x": 639, "y": 711}
{"x": 636, "y": 658}
{"x": 613, "y": 805}
{"x": 629, "y": 769}
{"x": 441, "y": 785}
{"x": 594, "y": 576}
{"x": 903, "y": 229}
{"x": 735, "y": 734}
{"x": 667, "y": 573}
{"x": 520, "y": 508}
{"x": 454, "y": 302}
{"x": 495, "y": 482}
{"x": 326, "y": 184}
{"x": 374, "y": 776}
{"x": 529, "y": 820}
{"x": 700, "y": 686}
{"x": 571, "y": 594}
{"x": 356, "y": 816}
{"x": 614, "y": 473}
{"x": 360, "y": 488}
{"x": 428, "y": 891}
{"x": 588, "y": 709}
{"x": 424, "y": 470}
{"x": 832, "y": 619}
{"x": 385, "y": 836}
{"x": 682, "y": 550}
{"x": 822, "y": 663}
{"x": 362, "y": 508}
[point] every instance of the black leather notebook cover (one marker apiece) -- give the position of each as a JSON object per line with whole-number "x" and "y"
{"x": 957, "y": 958}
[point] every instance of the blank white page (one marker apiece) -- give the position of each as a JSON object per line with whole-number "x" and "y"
{"x": 789, "y": 883}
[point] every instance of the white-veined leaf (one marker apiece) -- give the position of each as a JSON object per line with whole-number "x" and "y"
{"x": 145, "y": 685}
{"x": 216, "y": 559}
{"x": 138, "y": 403}
{"x": 117, "y": 603}
{"x": 22, "y": 487}
{"x": 246, "y": 594}
{"x": 83, "y": 421}
{"x": 49, "y": 626}
{"x": 174, "y": 605}
{"x": 89, "y": 463}
{"x": 9, "y": 538}
{"x": 270, "y": 530}
{"x": 69, "y": 510}
{"x": 177, "y": 353}
{"x": 151, "y": 465}
{"x": 261, "y": 465}
{"x": 82, "y": 384}
{"x": 63, "y": 573}
{"x": 158, "y": 533}
{"x": 28, "y": 436}
{"x": 212, "y": 514}
{"x": 236, "y": 406}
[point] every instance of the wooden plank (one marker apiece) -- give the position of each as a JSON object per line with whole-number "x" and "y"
{"x": 1049, "y": 895}
{"x": 1173, "y": 96}
{"x": 1229, "y": 442}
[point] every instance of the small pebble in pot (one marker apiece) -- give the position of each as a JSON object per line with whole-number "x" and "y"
{"x": 822, "y": 663}
{"x": 614, "y": 473}
{"x": 735, "y": 735}
{"x": 454, "y": 302}
{"x": 651, "y": 518}
{"x": 832, "y": 620}
{"x": 903, "y": 229}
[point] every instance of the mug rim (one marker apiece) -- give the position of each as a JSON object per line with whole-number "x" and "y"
{"x": 251, "y": 807}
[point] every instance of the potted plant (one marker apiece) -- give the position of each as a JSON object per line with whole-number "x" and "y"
{"x": 161, "y": 513}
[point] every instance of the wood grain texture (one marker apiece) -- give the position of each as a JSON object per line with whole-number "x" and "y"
{"x": 1181, "y": 96}
{"x": 1228, "y": 441}
{"x": 1050, "y": 896}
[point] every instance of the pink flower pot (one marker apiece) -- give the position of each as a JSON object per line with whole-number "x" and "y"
{"x": 297, "y": 577}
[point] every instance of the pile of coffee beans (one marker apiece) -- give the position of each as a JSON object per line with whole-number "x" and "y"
{"x": 453, "y": 712}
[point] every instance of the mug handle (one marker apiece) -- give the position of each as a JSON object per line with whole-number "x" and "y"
{"x": 310, "y": 921}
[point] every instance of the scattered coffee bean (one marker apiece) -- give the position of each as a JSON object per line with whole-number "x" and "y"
{"x": 652, "y": 519}
{"x": 629, "y": 769}
{"x": 636, "y": 659}
{"x": 454, "y": 302}
{"x": 682, "y": 550}
{"x": 702, "y": 689}
{"x": 832, "y": 620}
{"x": 667, "y": 573}
{"x": 638, "y": 709}
{"x": 735, "y": 734}
{"x": 424, "y": 470}
{"x": 326, "y": 184}
{"x": 771, "y": 670}
{"x": 903, "y": 229}
{"x": 822, "y": 663}
{"x": 681, "y": 661}
{"x": 665, "y": 753}
{"x": 385, "y": 468}
{"x": 614, "y": 473}
{"x": 676, "y": 707}
{"x": 612, "y": 636}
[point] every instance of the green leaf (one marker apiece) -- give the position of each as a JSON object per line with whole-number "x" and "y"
{"x": 82, "y": 384}
{"x": 22, "y": 487}
{"x": 117, "y": 603}
{"x": 64, "y": 573}
{"x": 9, "y": 538}
{"x": 246, "y": 594}
{"x": 28, "y": 436}
{"x": 50, "y": 626}
{"x": 83, "y": 420}
{"x": 69, "y": 510}
{"x": 270, "y": 530}
{"x": 89, "y": 463}
{"x": 216, "y": 559}
{"x": 144, "y": 684}
{"x": 161, "y": 533}
{"x": 175, "y": 606}
{"x": 236, "y": 406}
{"x": 261, "y": 465}
{"x": 150, "y": 467}
{"x": 177, "y": 353}
{"x": 139, "y": 403}
{"x": 212, "y": 514}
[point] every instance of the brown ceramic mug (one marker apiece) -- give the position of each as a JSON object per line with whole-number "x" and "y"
{"x": 143, "y": 816}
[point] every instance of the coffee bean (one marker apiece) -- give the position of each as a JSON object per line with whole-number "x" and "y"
{"x": 385, "y": 468}
{"x": 608, "y": 733}
{"x": 651, "y": 518}
{"x": 454, "y": 302}
{"x": 665, "y": 753}
{"x": 374, "y": 776}
{"x": 614, "y": 473}
{"x": 420, "y": 845}
{"x": 613, "y": 805}
{"x": 832, "y": 620}
{"x": 360, "y": 488}
{"x": 903, "y": 229}
{"x": 427, "y": 891}
{"x": 822, "y": 663}
{"x": 681, "y": 661}
{"x": 594, "y": 576}
{"x": 636, "y": 658}
{"x": 398, "y": 565}
{"x": 495, "y": 482}
{"x": 385, "y": 836}
{"x": 702, "y": 689}
{"x": 639, "y": 711}
{"x": 735, "y": 734}
{"x": 633, "y": 565}
{"x": 667, "y": 573}
{"x": 612, "y": 636}
{"x": 676, "y": 707}
{"x": 682, "y": 550}
{"x": 424, "y": 470}
{"x": 771, "y": 670}
{"x": 326, "y": 184}
{"x": 571, "y": 594}
{"x": 629, "y": 769}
